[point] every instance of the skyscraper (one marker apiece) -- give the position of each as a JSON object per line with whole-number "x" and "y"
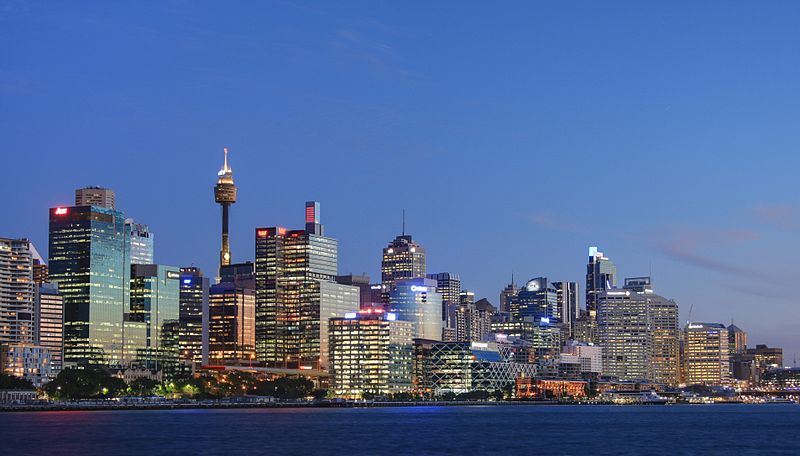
{"x": 297, "y": 293}
{"x": 50, "y": 323}
{"x": 538, "y": 299}
{"x": 154, "y": 301}
{"x": 664, "y": 330}
{"x": 17, "y": 292}
{"x": 707, "y": 357}
{"x": 449, "y": 286}
{"x": 474, "y": 320}
{"x": 225, "y": 195}
{"x": 623, "y": 332}
{"x": 402, "y": 259}
{"x": 193, "y": 335}
{"x": 737, "y": 339}
{"x": 90, "y": 260}
{"x": 567, "y": 301}
{"x": 95, "y": 196}
{"x": 417, "y": 301}
{"x": 601, "y": 275}
{"x": 231, "y": 324}
{"x": 141, "y": 242}
{"x": 507, "y": 295}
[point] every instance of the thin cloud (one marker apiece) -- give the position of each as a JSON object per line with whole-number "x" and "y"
{"x": 685, "y": 244}
{"x": 783, "y": 216}
{"x": 551, "y": 222}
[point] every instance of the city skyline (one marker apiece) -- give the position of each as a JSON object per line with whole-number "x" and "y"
{"x": 712, "y": 232}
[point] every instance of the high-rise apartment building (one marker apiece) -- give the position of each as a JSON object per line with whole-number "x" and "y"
{"x": 141, "y": 240}
{"x": 297, "y": 293}
{"x": 624, "y": 334}
{"x": 17, "y": 292}
{"x": 95, "y": 196}
{"x": 402, "y": 259}
{"x": 90, "y": 260}
{"x": 417, "y": 301}
{"x": 193, "y": 301}
{"x": 601, "y": 275}
{"x": 231, "y": 324}
{"x": 706, "y": 351}
{"x": 371, "y": 351}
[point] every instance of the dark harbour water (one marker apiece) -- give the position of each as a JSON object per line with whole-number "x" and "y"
{"x": 579, "y": 430}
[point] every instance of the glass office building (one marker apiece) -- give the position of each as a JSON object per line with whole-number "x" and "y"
{"x": 141, "y": 242}
{"x": 417, "y": 301}
{"x": 193, "y": 301}
{"x": 154, "y": 302}
{"x": 538, "y": 299}
{"x": 601, "y": 275}
{"x": 90, "y": 260}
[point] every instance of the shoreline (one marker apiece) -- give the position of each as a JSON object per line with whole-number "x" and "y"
{"x": 62, "y": 407}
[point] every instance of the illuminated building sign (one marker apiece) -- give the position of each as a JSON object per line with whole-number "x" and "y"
{"x": 173, "y": 275}
{"x": 262, "y": 233}
{"x": 391, "y": 316}
{"x": 545, "y": 320}
{"x": 61, "y": 211}
{"x": 417, "y": 288}
{"x": 350, "y": 315}
{"x": 187, "y": 281}
{"x": 695, "y": 326}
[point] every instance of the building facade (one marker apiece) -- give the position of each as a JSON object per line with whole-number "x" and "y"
{"x": 89, "y": 252}
{"x": 402, "y": 259}
{"x": 706, "y": 351}
{"x": 623, "y": 333}
{"x": 17, "y": 292}
{"x": 154, "y": 309}
{"x": 141, "y": 240}
{"x": 95, "y": 196}
{"x": 601, "y": 275}
{"x": 231, "y": 324}
{"x": 193, "y": 303}
{"x": 417, "y": 301}
{"x": 449, "y": 286}
{"x": 297, "y": 293}
{"x": 371, "y": 352}
{"x": 50, "y": 325}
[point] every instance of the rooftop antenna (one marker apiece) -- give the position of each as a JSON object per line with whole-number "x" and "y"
{"x": 404, "y": 222}
{"x": 512, "y": 278}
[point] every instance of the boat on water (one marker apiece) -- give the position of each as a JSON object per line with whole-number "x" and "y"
{"x": 635, "y": 398}
{"x": 778, "y": 400}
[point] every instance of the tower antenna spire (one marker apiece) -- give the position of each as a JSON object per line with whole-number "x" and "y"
{"x": 404, "y": 222}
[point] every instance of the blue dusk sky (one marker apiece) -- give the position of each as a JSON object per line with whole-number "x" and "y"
{"x": 514, "y": 134}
